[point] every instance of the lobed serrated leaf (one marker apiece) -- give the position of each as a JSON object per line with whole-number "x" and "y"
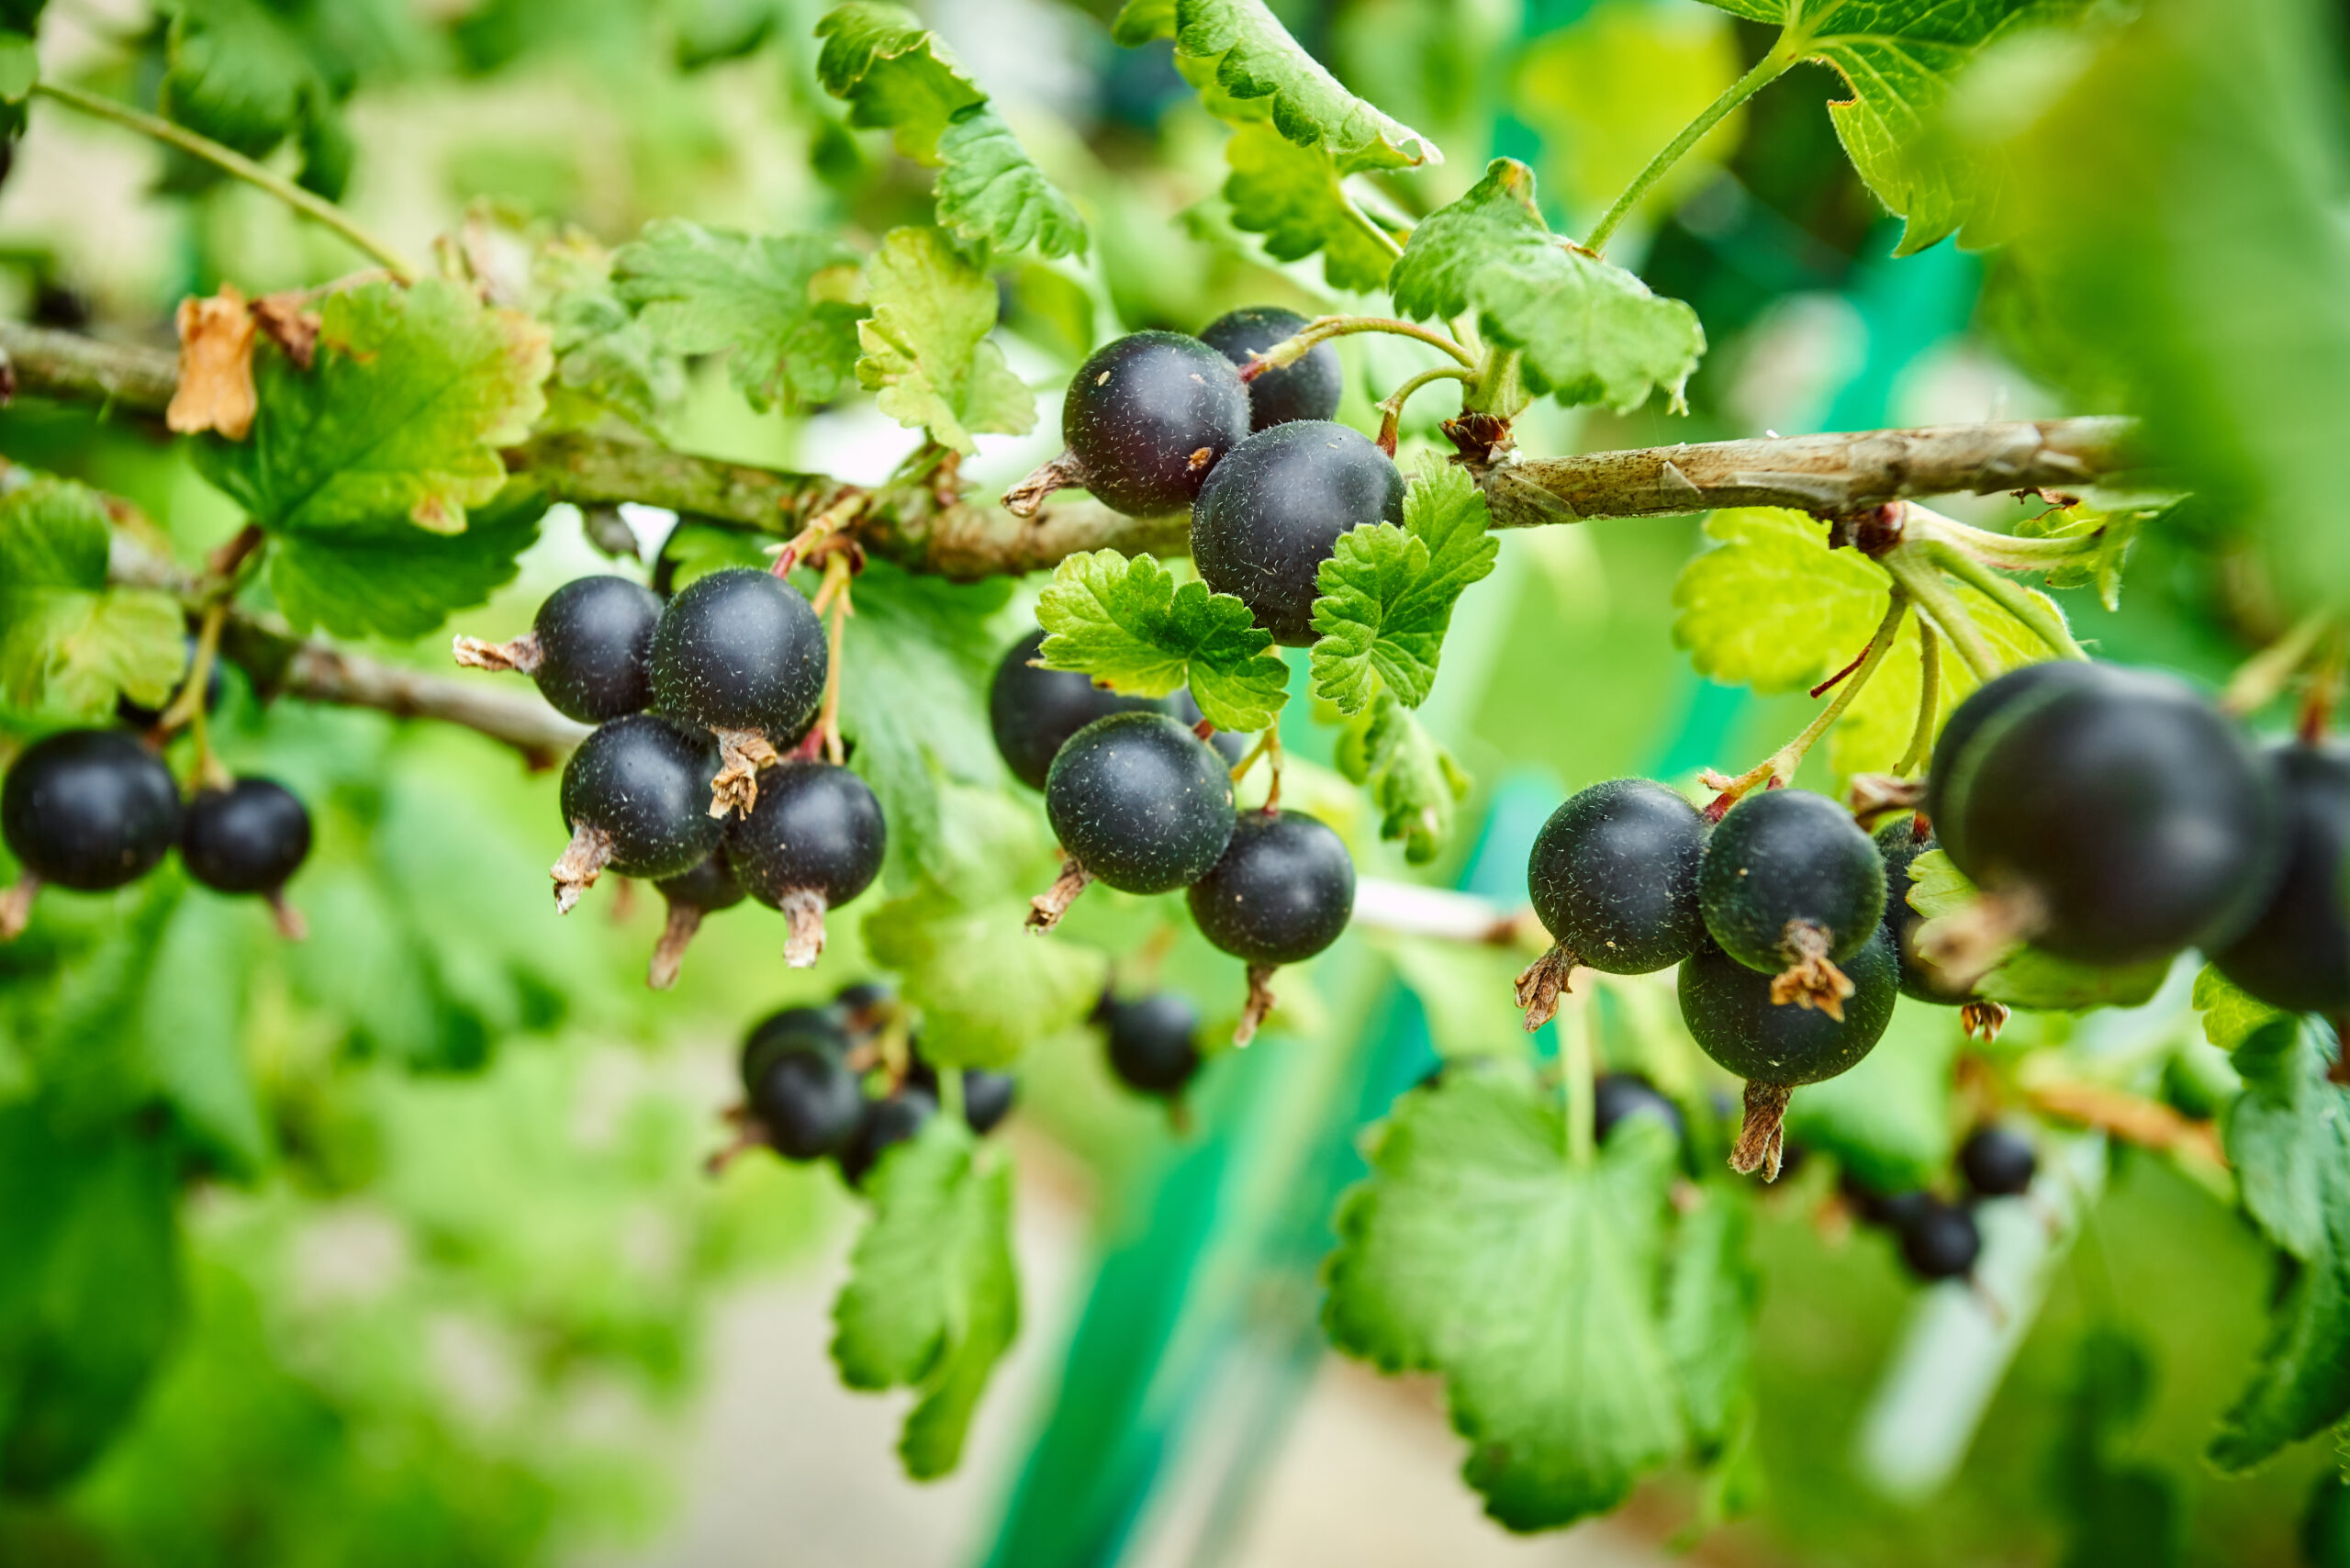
{"x": 927, "y": 353}
{"x": 1413, "y": 782}
{"x": 396, "y": 582}
{"x": 1589, "y": 332}
{"x": 932, "y": 1297}
{"x": 1129, "y": 626}
{"x": 896, "y": 75}
{"x": 606, "y": 358}
{"x": 69, "y": 644}
{"x": 238, "y": 71}
{"x": 1712, "y": 1292}
{"x": 1387, "y": 593}
{"x": 782, "y": 308}
{"x": 991, "y": 197}
{"x": 1476, "y": 1250}
{"x": 1295, "y": 197}
{"x": 2032, "y": 976}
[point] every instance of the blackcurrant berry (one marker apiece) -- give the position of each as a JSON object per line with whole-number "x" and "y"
{"x": 1272, "y": 511}
{"x": 1900, "y": 842}
{"x": 1139, "y": 802}
{"x": 1790, "y": 885}
{"x": 636, "y": 798}
{"x": 1283, "y": 891}
{"x": 247, "y": 838}
{"x": 791, "y": 1029}
{"x": 1147, "y": 417}
{"x": 885, "y": 1122}
{"x": 594, "y": 638}
{"x": 740, "y": 650}
{"x": 807, "y": 1102}
{"x": 813, "y": 842}
{"x": 2115, "y": 821}
{"x": 1614, "y": 879}
{"x": 1308, "y": 390}
{"x": 1034, "y": 712}
{"x": 139, "y": 716}
{"x": 1889, "y": 1210}
{"x": 707, "y": 889}
{"x": 2030, "y": 683}
{"x": 1940, "y": 1241}
{"x": 987, "y": 1099}
{"x": 1731, "y": 1012}
{"x": 1154, "y": 1042}
{"x": 1617, "y": 1095}
{"x": 2296, "y": 954}
{"x": 1998, "y": 1162}
{"x": 89, "y": 810}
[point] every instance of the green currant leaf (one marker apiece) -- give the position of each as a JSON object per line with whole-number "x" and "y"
{"x": 782, "y": 308}
{"x": 69, "y": 644}
{"x": 233, "y": 71}
{"x": 1294, "y": 196}
{"x": 1248, "y": 70}
{"x": 2230, "y": 1017}
{"x": 1129, "y": 626}
{"x": 1712, "y": 1292}
{"x": 1413, "y": 782}
{"x": 987, "y": 989}
{"x": 606, "y": 358}
{"x": 991, "y": 197}
{"x": 927, "y": 353}
{"x": 895, "y": 73}
{"x": 392, "y": 581}
{"x": 2030, "y": 977}
{"x": 1476, "y": 1250}
{"x": 1590, "y": 332}
{"x": 1899, "y": 57}
{"x": 2289, "y": 1137}
{"x": 932, "y": 1297}
{"x": 2119, "y": 1512}
{"x": 20, "y": 69}
{"x": 1387, "y": 593}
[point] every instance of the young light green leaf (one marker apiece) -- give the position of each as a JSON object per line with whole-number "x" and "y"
{"x": 1590, "y": 332}
{"x": 896, "y": 75}
{"x": 1875, "y": 729}
{"x": 1127, "y": 625}
{"x": 1476, "y": 1250}
{"x": 2230, "y": 1016}
{"x": 398, "y": 419}
{"x": 1387, "y": 593}
{"x": 69, "y": 644}
{"x": 927, "y": 346}
{"x": 2110, "y": 531}
{"x": 1295, "y": 197}
{"x": 782, "y": 308}
{"x": 991, "y": 197}
{"x": 1771, "y": 606}
{"x": 2289, "y": 1137}
{"x": 392, "y": 581}
{"x": 1248, "y": 69}
{"x": 932, "y": 1297}
{"x": 2032, "y": 976}
{"x": 606, "y": 358}
{"x": 1414, "y": 782}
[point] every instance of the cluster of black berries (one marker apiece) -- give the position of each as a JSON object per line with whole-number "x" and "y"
{"x": 690, "y": 777}
{"x": 845, "y": 1081}
{"x": 1938, "y": 1237}
{"x": 96, "y": 810}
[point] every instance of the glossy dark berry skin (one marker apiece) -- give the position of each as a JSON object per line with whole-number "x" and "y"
{"x": 1282, "y": 892}
{"x": 885, "y": 1122}
{"x": 89, "y": 809}
{"x": 740, "y": 650}
{"x": 816, "y": 828}
{"x": 645, "y": 781}
{"x": 1998, "y": 1162}
{"x": 1786, "y": 856}
{"x": 1272, "y": 511}
{"x": 139, "y": 716}
{"x": 1154, "y": 1042}
{"x": 595, "y": 648}
{"x": 1616, "y": 1095}
{"x": 1729, "y": 1012}
{"x": 1140, "y": 802}
{"x": 1940, "y": 1241}
{"x": 1306, "y": 390}
{"x": 809, "y": 1102}
{"x": 1614, "y": 877}
{"x": 2132, "y": 811}
{"x": 793, "y": 1028}
{"x": 1147, "y": 417}
{"x": 247, "y": 838}
{"x": 2031, "y": 683}
{"x": 987, "y": 1099}
{"x": 1034, "y": 712}
{"x": 1899, "y": 844}
{"x": 708, "y": 887}
{"x": 2296, "y": 954}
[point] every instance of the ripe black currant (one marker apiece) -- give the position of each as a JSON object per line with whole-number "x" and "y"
{"x": 1940, "y": 1241}
{"x": 741, "y": 652}
{"x": 807, "y": 1102}
{"x": 247, "y": 838}
{"x": 1790, "y": 885}
{"x": 1308, "y": 390}
{"x": 1154, "y": 1042}
{"x": 813, "y": 842}
{"x": 2114, "y": 820}
{"x": 1998, "y": 1162}
{"x": 1617, "y": 1095}
{"x": 987, "y": 1096}
{"x": 2296, "y": 955}
{"x": 707, "y": 889}
{"x": 139, "y": 716}
{"x": 1731, "y": 1013}
{"x": 1138, "y": 802}
{"x": 594, "y": 638}
{"x": 636, "y": 798}
{"x": 1034, "y": 712}
{"x": 1889, "y": 1210}
{"x": 2030, "y": 683}
{"x": 792, "y": 1028}
{"x": 84, "y": 809}
{"x": 1282, "y": 892}
{"x": 1614, "y": 879}
{"x": 892, "y": 1120}
{"x": 1147, "y": 417}
{"x": 1272, "y": 511}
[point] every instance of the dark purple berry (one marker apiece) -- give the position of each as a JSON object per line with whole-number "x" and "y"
{"x": 814, "y": 841}
{"x": 793, "y": 1028}
{"x": 807, "y": 1102}
{"x": 2296, "y": 954}
{"x": 1147, "y": 417}
{"x": 740, "y": 649}
{"x": 247, "y": 838}
{"x": 1900, "y": 842}
{"x": 1140, "y": 802}
{"x": 636, "y": 798}
{"x": 1786, "y": 867}
{"x": 1940, "y": 1241}
{"x": 2031, "y": 683}
{"x": 1282, "y": 892}
{"x": 885, "y": 1124}
{"x": 1154, "y": 1042}
{"x": 1729, "y": 1012}
{"x": 1034, "y": 712}
{"x": 595, "y": 641}
{"x": 89, "y": 810}
{"x": 1998, "y": 1162}
{"x": 1272, "y": 511}
{"x": 1308, "y": 390}
{"x": 1614, "y": 877}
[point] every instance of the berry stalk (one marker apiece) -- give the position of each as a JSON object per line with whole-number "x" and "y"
{"x": 1780, "y": 766}
{"x": 1321, "y": 328}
